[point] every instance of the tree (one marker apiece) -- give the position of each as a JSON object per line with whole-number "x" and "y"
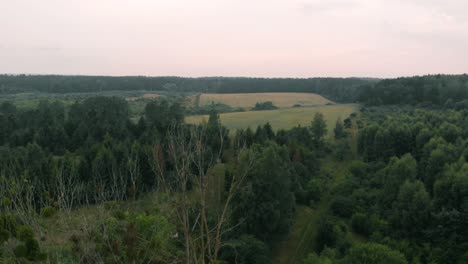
{"x": 412, "y": 209}
{"x": 361, "y": 224}
{"x": 264, "y": 106}
{"x": 204, "y": 229}
{"x": 313, "y": 258}
{"x": 342, "y": 206}
{"x": 394, "y": 175}
{"x": 245, "y": 250}
{"x": 265, "y": 204}
{"x": 161, "y": 114}
{"x": 339, "y": 130}
{"x": 373, "y": 253}
{"x": 318, "y": 128}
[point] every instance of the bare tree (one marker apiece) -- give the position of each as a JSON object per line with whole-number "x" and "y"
{"x": 67, "y": 187}
{"x": 187, "y": 184}
{"x": 134, "y": 171}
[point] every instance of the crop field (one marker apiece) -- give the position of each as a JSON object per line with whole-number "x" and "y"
{"x": 248, "y": 100}
{"x": 281, "y": 118}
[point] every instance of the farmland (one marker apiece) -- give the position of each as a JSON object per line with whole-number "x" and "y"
{"x": 281, "y": 118}
{"x": 281, "y": 100}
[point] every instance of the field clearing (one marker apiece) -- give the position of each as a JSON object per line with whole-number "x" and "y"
{"x": 144, "y": 96}
{"x": 281, "y": 118}
{"x": 248, "y": 100}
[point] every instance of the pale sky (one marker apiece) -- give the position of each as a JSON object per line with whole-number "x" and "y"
{"x": 261, "y": 38}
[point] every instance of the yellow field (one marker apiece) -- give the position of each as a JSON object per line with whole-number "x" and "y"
{"x": 281, "y": 100}
{"x": 281, "y": 118}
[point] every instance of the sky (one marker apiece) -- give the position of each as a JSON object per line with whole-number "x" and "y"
{"x": 256, "y": 38}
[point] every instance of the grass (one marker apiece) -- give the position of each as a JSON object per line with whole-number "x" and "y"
{"x": 248, "y": 100}
{"x": 281, "y": 118}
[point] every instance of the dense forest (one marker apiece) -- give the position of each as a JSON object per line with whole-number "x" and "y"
{"x": 220, "y": 196}
{"x": 337, "y": 89}
{"x": 423, "y": 90}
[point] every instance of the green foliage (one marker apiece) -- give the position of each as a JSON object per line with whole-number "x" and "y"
{"x": 313, "y": 258}
{"x": 318, "y": 128}
{"x": 48, "y": 211}
{"x": 342, "y": 206}
{"x": 24, "y": 233}
{"x": 138, "y": 238}
{"x": 265, "y": 204}
{"x": 259, "y": 106}
{"x": 397, "y": 171}
{"x": 217, "y": 107}
{"x": 373, "y": 253}
{"x": 342, "y": 150}
{"x": 337, "y": 89}
{"x": 361, "y": 224}
{"x": 430, "y": 89}
{"x": 412, "y": 208}
{"x": 331, "y": 234}
{"x": 162, "y": 113}
{"x": 29, "y": 248}
{"x": 314, "y": 189}
{"x": 246, "y": 249}
{"x": 339, "y": 130}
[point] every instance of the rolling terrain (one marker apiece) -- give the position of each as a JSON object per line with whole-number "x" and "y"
{"x": 248, "y": 100}
{"x": 281, "y": 118}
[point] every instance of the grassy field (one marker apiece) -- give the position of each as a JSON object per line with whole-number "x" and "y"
{"x": 247, "y": 100}
{"x": 281, "y": 118}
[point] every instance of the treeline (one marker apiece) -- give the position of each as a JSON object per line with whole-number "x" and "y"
{"x": 337, "y": 89}
{"x": 420, "y": 90}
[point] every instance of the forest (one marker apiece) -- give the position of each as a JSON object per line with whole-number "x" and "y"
{"x": 338, "y": 89}
{"x": 390, "y": 185}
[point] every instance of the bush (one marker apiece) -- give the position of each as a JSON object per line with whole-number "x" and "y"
{"x": 20, "y": 251}
{"x": 24, "y": 233}
{"x": 48, "y": 211}
{"x": 247, "y": 249}
{"x": 29, "y": 249}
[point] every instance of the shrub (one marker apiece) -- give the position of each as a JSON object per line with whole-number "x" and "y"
{"x": 48, "y": 211}
{"x": 247, "y": 249}
{"x": 24, "y": 233}
{"x": 20, "y": 251}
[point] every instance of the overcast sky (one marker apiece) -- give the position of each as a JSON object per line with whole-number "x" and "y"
{"x": 264, "y": 38}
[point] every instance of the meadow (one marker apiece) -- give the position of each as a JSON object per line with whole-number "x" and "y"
{"x": 281, "y": 118}
{"x": 248, "y": 100}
